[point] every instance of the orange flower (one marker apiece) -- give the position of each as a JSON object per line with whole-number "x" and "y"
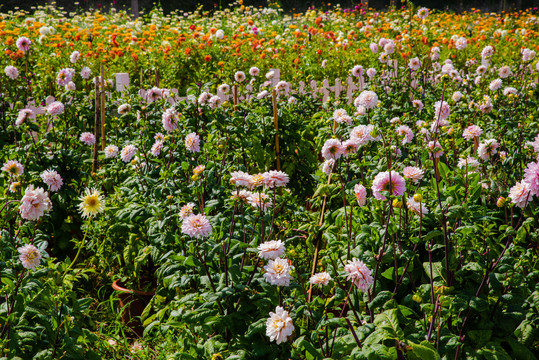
{"x": 207, "y": 58}
{"x": 187, "y": 51}
{"x": 10, "y": 41}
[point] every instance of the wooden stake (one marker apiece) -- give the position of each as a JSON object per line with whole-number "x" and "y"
{"x": 276, "y": 124}
{"x": 96, "y": 124}
{"x": 103, "y": 139}
{"x": 156, "y": 77}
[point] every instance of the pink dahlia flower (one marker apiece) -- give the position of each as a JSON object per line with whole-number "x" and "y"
{"x": 30, "y": 256}
{"x": 275, "y": 178}
{"x": 34, "y": 203}
{"x": 271, "y": 250}
{"x": 279, "y": 326}
{"x": 128, "y": 152}
{"x": 332, "y": 149}
{"x": 361, "y": 194}
{"x": 382, "y": 182}
{"x": 520, "y": 194}
{"x": 359, "y": 274}
{"x": 192, "y": 142}
{"x": 278, "y": 272}
{"x": 413, "y": 173}
{"x": 52, "y": 179}
{"x": 87, "y": 138}
{"x": 196, "y": 226}
{"x": 322, "y": 278}
{"x": 531, "y": 177}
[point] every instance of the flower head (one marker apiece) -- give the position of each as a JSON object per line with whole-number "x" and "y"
{"x": 487, "y": 149}
{"x": 531, "y": 177}
{"x": 367, "y": 98}
{"x": 186, "y": 210}
{"x": 92, "y": 203}
{"x": 413, "y": 173}
{"x": 520, "y": 194}
{"x": 111, "y": 151}
{"x": 192, "y": 142}
{"x": 416, "y": 207}
{"x": 128, "y": 152}
{"x": 278, "y": 272}
{"x": 56, "y": 108}
{"x": 322, "y": 278}
{"x": 359, "y": 274}
{"x": 11, "y": 72}
{"x": 275, "y": 178}
{"x": 23, "y": 43}
{"x": 197, "y": 226}
{"x": 279, "y": 325}
{"x": 472, "y": 131}
{"x": 13, "y": 168}
{"x": 332, "y": 149}
{"x": 271, "y": 250}
{"x": 361, "y": 194}
{"x": 382, "y": 182}
{"x": 52, "y": 179}
{"x": 34, "y": 203}
{"x": 87, "y": 138}
{"x": 30, "y": 256}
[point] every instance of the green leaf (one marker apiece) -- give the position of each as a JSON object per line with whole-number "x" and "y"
{"x": 424, "y": 351}
{"x": 389, "y": 321}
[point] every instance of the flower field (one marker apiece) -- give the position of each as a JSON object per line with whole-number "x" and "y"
{"x": 250, "y": 184}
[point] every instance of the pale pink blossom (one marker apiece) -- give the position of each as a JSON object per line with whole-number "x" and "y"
{"x": 382, "y": 182}
{"x": 111, "y": 151}
{"x": 271, "y": 250}
{"x": 435, "y": 149}
{"x": 34, "y": 203}
{"x": 52, "y": 179}
{"x": 56, "y": 108}
{"x": 416, "y": 207}
{"x": 156, "y": 148}
{"x": 327, "y": 166}
{"x": 13, "y": 168}
{"x": 359, "y": 274}
{"x": 487, "y": 149}
{"x": 361, "y": 194}
{"x": 278, "y": 272}
{"x": 260, "y": 200}
{"x": 472, "y": 131}
{"x": 332, "y": 149}
{"x": 320, "y": 279}
{"x": 192, "y": 142}
{"x": 30, "y": 256}
{"x": 87, "y": 138}
{"x": 520, "y": 194}
{"x": 368, "y": 99}
{"x": 128, "y": 152}
{"x": 413, "y": 173}
{"x": 11, "y": 72}
{"x": 196, "y": 226}
{"x": 240, "y": 178}
{"x": 170, "y": 120}
{"x": 275, "y": 178}
{"x": 186, "y": 210}
{"x": 23, "y": 115}
{"x": 405, "y": 134}
{"x": 23, "y": 43}
{"x": 531, "y": 177}
{"x": 279, "y": 326}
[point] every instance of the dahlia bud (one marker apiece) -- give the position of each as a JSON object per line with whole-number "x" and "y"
{"x": 418, "y": 197}
{"x": 501, "y": 202}
{"x": 397, "y": 203}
